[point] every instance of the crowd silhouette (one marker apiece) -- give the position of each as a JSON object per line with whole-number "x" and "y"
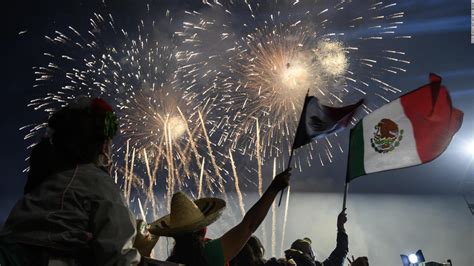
{"x": 72, "y": 212}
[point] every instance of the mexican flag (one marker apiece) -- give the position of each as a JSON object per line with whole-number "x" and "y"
{"x": 414, "y": 129}
{"x": 318, "y": 120}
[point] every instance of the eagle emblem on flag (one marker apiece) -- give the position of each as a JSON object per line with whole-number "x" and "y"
{"x": 387, "y": 136}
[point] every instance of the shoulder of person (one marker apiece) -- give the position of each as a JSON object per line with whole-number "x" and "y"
{"x": 96, "y": 182}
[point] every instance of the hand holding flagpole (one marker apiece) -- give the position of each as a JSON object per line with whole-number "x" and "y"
{"x": 294, "y": 139}
{"x": 287, "y": 167}
{"x": 346, "y": 186}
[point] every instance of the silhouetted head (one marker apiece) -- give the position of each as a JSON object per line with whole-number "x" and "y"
{"x": 79, "y": 133}
{"x": 189, "y": 249}
{"x": 301, "y": 252}
{"x": 251, "y": 254}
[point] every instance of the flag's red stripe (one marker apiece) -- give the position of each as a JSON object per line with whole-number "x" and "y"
{"x": 434, "y": 122}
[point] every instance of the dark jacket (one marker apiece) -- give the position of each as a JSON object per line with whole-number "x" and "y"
{"x": 339, "y": 253}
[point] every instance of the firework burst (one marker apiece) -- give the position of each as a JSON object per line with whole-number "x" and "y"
{"x": 164, "y": 132}
{"x": 261, "y": 57}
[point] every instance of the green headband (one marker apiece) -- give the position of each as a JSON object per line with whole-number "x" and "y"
{"x": 111, "y": 125}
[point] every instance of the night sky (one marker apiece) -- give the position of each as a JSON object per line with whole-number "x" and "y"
{"x": 440, "y": 44}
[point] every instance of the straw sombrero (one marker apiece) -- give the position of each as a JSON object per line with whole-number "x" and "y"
{"x": 187, "y": 215}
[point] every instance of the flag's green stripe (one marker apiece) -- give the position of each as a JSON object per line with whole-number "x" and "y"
{"x": 356, "y": 153}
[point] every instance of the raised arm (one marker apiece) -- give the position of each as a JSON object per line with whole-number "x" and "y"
{"x": 339, "y": 253}
{"x": 233, "y": 241}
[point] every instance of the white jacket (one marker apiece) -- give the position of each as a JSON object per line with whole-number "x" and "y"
{"x": 77, "y": 210}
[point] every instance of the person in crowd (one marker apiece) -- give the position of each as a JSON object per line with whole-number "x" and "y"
{"x": 187, "y": 218}
{"x": 251, "y": 254}
{"x": 280, "y": 262}
{"x": 360, "y": 261}
{"x": 302, "y": 253}
{"x": 72, "y": 212}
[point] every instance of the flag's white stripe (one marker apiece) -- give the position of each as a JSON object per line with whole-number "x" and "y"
{"x": 402, "y": 156}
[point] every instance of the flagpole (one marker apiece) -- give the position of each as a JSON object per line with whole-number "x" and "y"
{"x": 287, "y": 166}
{"x": 292, "y": 146}
{"x": 346, "y": 186}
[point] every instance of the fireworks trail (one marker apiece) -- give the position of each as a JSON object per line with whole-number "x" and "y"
{"x": 197, "y": 158}
{"x": 142, "y": 213}
{"x": 259, "y": 173}
{"x": 169, "y": 156}
{"x": 274, "y": 215}
{"x": 237, "y": 186}
{"x": 126, "y": 168}
{"x": 259, "y": 160}
{"x": 151, "y": 183}
{"x": 211, "y": 154}
{"x": 285, "y": 219}
{"x": 129, "y": 175}
{"x": 200, "y": 179}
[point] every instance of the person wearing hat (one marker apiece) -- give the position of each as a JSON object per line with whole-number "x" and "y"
{"x": 302, "y": 253}
{"x": 72, "y": 212}
{"x": 188, "y": 219}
